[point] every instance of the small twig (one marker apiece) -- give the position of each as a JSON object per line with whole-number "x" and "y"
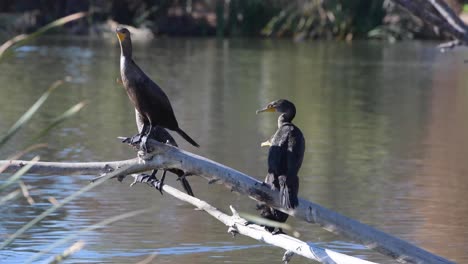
{"x": 25, "y": 191}
{"x": 449, "y": 45}
{"x": 52, "y": 200}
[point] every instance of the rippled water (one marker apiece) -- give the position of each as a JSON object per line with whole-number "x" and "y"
{"x": 385, "y": 127}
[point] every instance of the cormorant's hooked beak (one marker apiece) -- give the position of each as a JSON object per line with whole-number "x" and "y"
{"x": 120, "y": 36}
{"x": 266, "y": 109}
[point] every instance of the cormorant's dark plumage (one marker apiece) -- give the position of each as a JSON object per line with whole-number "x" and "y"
{"x": 285, "y": 157}
{"x": 161, "y": 135}
{"x": 147, "y": 97}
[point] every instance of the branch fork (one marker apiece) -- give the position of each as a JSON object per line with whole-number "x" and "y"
{"x": 165, "y": 156}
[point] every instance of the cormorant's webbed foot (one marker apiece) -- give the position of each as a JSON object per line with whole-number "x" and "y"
{"x": 133, "y": 140}
{"x": 150, "y": 179}
{"x": 277, "y": 231}
{"x": 144, "y": 135}
{"x": 274, "y": 230}
{"x": 143, "y": 144}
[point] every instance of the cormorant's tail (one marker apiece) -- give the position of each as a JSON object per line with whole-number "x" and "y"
{"x": 186, "y": 137}
{"x": 288, "y": 198}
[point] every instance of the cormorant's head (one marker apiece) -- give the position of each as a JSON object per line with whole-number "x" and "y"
{"x": 125, "y": 41}
{"x": 122, "y": 34}
{"x": 280, "y": 106}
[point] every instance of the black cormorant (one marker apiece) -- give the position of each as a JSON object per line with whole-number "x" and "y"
{"x": 161, "y": 135}
{"x": 285, "y": 156}
{"x": 147, "y": 97}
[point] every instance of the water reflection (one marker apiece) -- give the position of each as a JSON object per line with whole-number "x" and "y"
{"x": 384, "y": 126}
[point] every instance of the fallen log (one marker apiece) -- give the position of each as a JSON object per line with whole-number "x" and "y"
{"x": 165, "y": 156}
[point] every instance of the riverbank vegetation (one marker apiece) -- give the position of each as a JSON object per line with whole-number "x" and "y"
{"x": 299, "y": 19}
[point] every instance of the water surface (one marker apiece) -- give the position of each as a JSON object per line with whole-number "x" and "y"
{"x": 385, "y": 127}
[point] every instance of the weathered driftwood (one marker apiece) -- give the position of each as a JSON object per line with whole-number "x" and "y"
{"x": 437, "y": 13}
{"x": 67, "y": 168}
{"x": 238, "y": 225}
{"x": 165, "y": 156}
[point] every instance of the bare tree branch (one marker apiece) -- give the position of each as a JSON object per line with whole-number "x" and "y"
{"x": 66, "y": 168}
{"x": 165, "y": 156}
{"x": 238, "y": 225}
{"x": 437, "y": 13}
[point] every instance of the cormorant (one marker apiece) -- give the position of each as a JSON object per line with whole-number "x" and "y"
{"x": 285, "y": 157}
{"x": 147, "y": 97}
{"x": 161, "y": 135}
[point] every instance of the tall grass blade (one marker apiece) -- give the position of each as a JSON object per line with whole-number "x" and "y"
{"x": 20, "y": 154}
{"x": 58, "y": 120}
{"x": 77, "y": 246}
{"x": 15, "y": 177}
{"x": 87, "y": 229}
{"x": 13, "y": 195}
{"x": 52, "y": 209}
{"x": 9, "y": 43}
{"x": 25, "y": 191}
{"x": 23, "y": 38}
{"x": 266, "y": 222}
{"x": 30, "y": 113}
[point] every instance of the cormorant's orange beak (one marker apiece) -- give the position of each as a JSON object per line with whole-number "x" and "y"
{"x": 267, "y": 109}
{"x": 121, "y": 36}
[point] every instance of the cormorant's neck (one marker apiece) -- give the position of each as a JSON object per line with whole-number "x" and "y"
{"x": 126, "y": 48}
{"x": 286, "y": 117}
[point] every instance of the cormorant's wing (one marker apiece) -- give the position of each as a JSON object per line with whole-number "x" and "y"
{"x": 288, "y": 180}
{"x": 151, "y": 96}
{"x": 161, "y": 104}
{"x": 277, "y": 155}
{"x": 157, "y": 133}
{"x": 295, "y": 155}
{"x": 278, "y": 164}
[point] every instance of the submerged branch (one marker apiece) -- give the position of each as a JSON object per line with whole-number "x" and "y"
{"x": 165, "y": 156}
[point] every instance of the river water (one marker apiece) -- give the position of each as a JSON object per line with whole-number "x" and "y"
{"x": 385, "y": 125}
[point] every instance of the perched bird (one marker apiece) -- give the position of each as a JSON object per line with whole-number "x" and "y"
{"x": 161, "y": 135}
{"x": 147, "y": 97}
{"x": 285, "y": 157}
